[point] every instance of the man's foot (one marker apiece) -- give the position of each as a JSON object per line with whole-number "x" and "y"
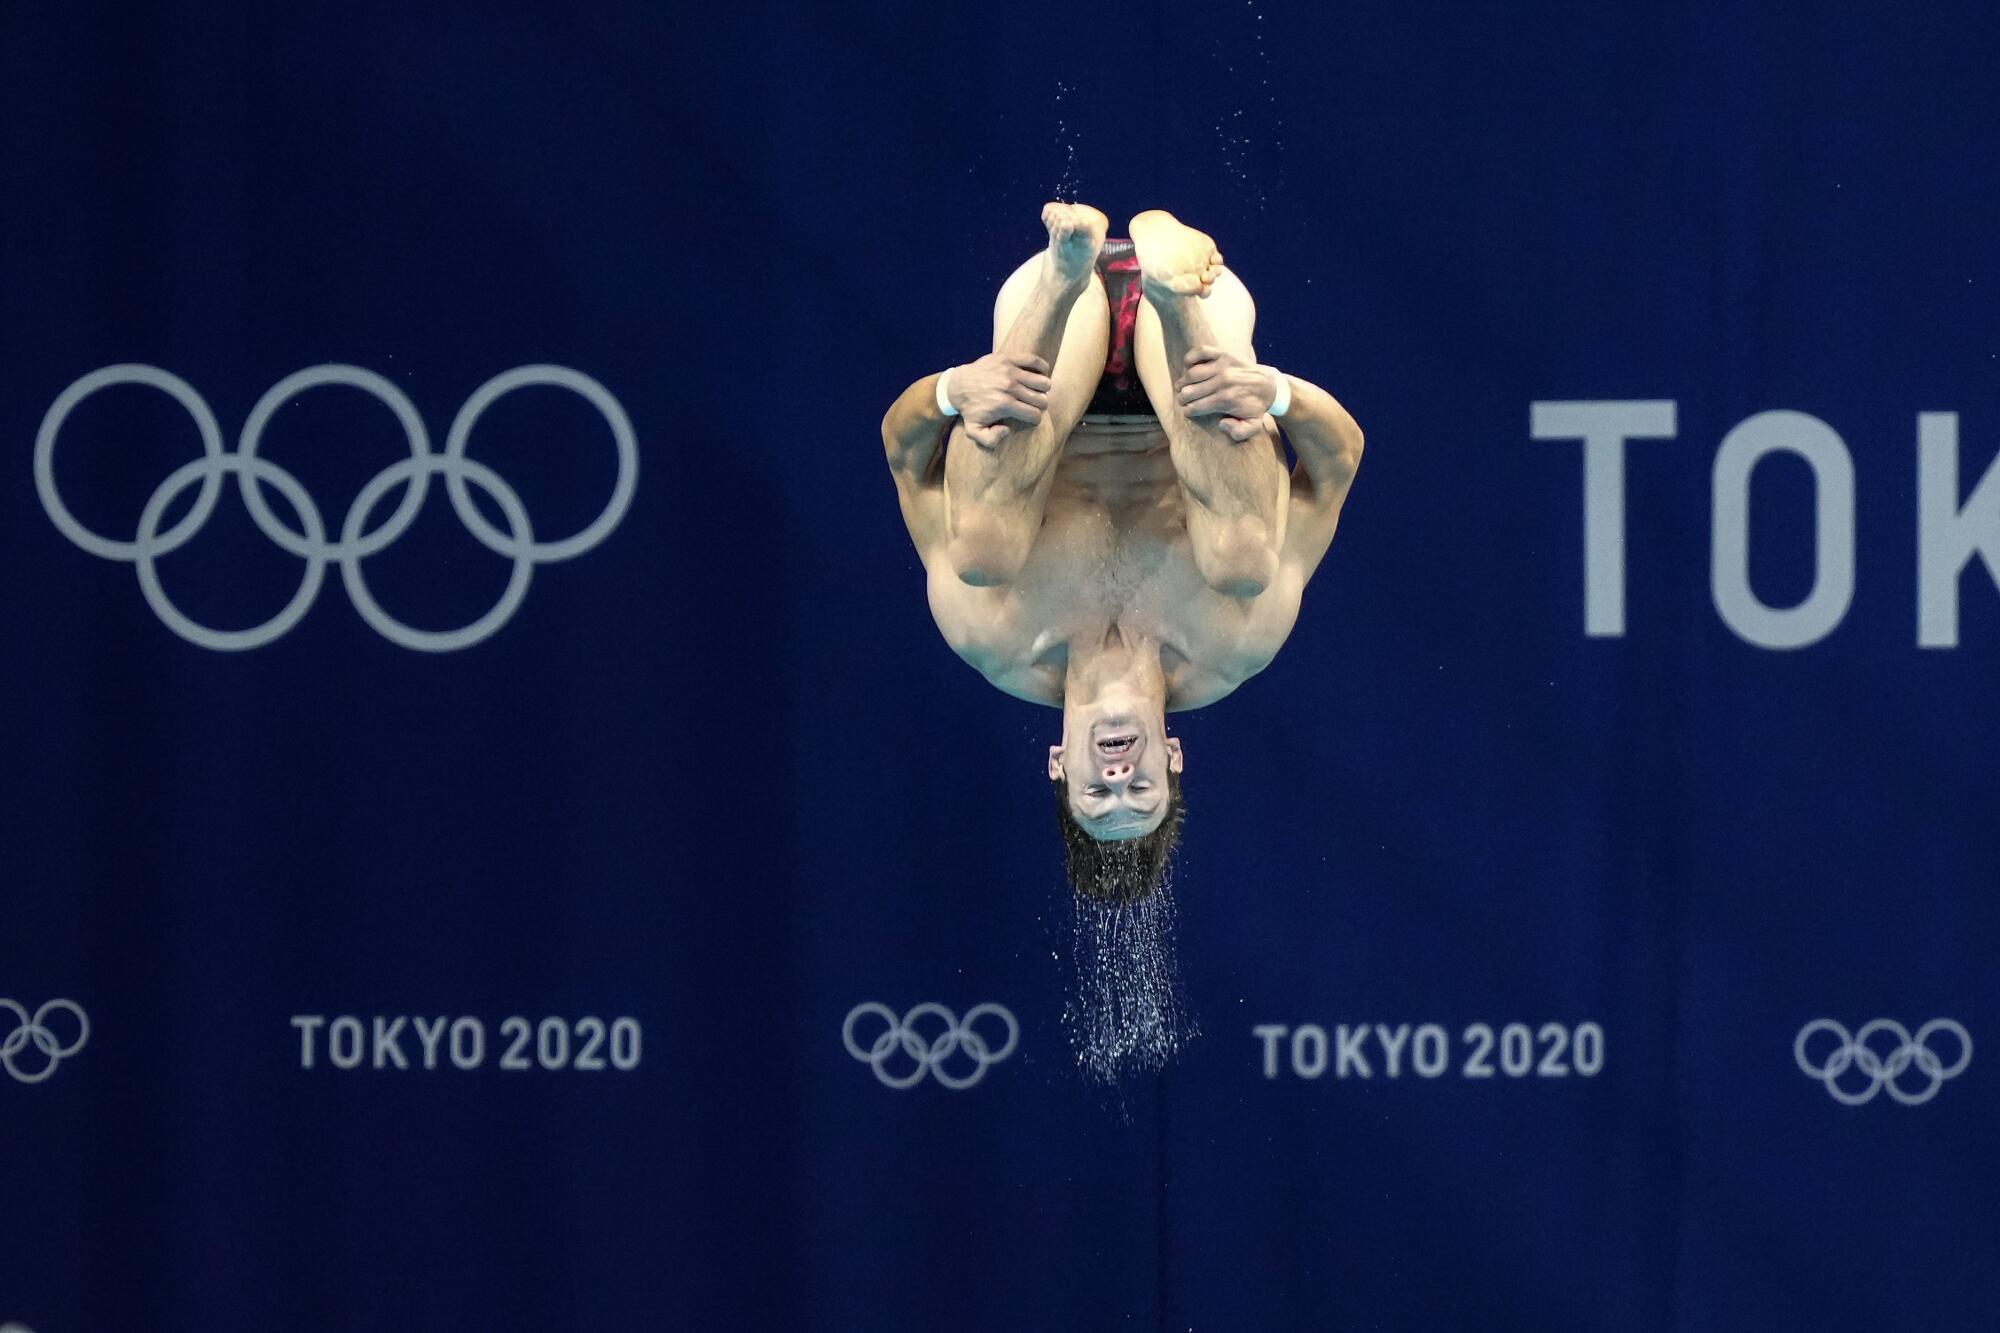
{"x": 1076, "y": 234}
{"x": 1174, "y": 259}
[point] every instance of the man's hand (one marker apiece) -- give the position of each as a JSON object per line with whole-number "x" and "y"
{"x": 997, "y": 391}
{"x": 1220, "y": 385}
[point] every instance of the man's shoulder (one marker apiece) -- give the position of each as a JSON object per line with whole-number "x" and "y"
{"x": 1235, "y": 640}
{"x": 1010, "y": 670}
{"x": 983, "y": 626}
{"x": 1199, "y": 684}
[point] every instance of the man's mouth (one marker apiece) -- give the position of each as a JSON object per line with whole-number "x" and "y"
{"x": 1113, "y": 746}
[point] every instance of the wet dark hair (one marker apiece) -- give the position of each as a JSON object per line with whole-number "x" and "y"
{"x": 1122, "y": 871}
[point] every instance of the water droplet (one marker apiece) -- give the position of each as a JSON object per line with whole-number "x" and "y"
{"x": 1126, "y": 1014}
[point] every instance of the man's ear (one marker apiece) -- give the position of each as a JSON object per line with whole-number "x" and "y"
{"x": 1055, "y": 763}
{"x": 1174, "y": 759}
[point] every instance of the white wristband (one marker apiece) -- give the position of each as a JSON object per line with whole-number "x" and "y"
{"x": 944, "y": 401}
{"x": 1282, "y": 403}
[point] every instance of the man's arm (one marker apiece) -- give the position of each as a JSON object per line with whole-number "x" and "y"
{"x": 1326, "y": 439}
{"x": 913, "y": 434}
{"x": 1323, "y": 435}
{"x": 990, "y": 394}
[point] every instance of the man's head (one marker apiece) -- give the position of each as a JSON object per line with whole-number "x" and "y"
{"x": 1120, "y": 870}
{"x": 1116, "y": 778}
{"x": 1113, "y": 766}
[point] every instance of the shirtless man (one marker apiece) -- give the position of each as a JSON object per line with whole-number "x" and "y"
{"x": 1119, "y": 550}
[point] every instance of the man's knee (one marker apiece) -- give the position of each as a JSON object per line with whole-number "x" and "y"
{"x": 986, "y": 549}
{"x": 1240, "y": 559}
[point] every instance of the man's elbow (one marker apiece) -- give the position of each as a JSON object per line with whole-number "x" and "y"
{"x": 1341, "y": 447}
{"x": 901, "y": 445}
{"x": 1350, "y": 453}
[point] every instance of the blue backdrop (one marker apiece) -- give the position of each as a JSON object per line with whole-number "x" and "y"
{"x": 503, "y": 984}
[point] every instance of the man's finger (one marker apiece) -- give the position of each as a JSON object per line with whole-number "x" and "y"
{"x": 1040, "y": 383}
{"x": 1203, "y": 389}
{"x": 1199, "y": 389}
{"x": 1203, "y": 353}
{"x": 1023, "y": 394}
{"x": 1240, "y": 430}
{"x": 1198, "y": 385}
{"x": 1019, "y": 411}
{"x": 1026, "y": 361}
{"x": 1206, "y": 406}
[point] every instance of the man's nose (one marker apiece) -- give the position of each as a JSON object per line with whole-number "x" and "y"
{"x": 1117, "y": 772}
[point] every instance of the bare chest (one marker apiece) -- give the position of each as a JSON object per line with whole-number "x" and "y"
{"x": 1113, "y": 548}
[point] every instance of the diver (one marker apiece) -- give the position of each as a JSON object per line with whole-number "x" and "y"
{"x": 1107, "y": 519}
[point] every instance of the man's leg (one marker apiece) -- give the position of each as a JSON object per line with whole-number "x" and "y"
{"x": 1235, "y": 493}
{"x": 1054, "y": 307}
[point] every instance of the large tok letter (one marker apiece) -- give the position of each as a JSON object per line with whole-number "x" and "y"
{"x": 1603, "y": 427}
{"x": 1833, "y": 560}
{"x": 1947, "y": 534}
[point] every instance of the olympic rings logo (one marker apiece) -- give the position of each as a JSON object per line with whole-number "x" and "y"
{"x": 35, "y": 1031}
{"x": 1883, "y": 1070}
{"x": 355, "y": 544}
{"x": 929, "y": 1054}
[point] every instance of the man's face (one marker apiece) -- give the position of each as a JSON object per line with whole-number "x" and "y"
{"x": 1113, "y": 762}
